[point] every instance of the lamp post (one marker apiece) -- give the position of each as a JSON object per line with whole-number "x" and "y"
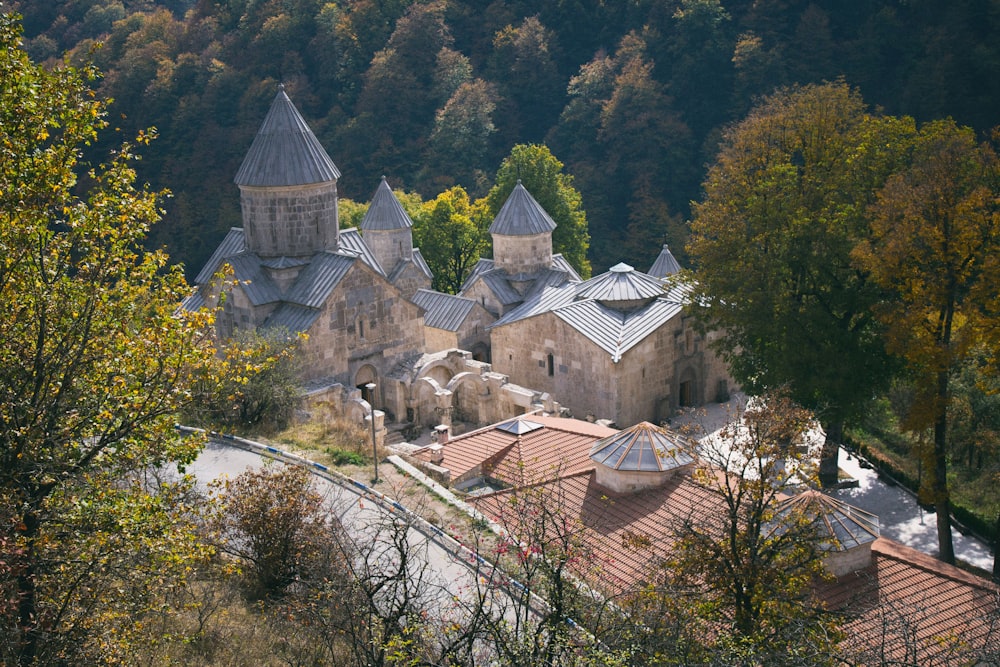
{"x": 371, "y": 405}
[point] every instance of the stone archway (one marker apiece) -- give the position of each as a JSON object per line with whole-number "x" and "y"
{"x": 467, "y": 396}
{"x": 429, "y": 397}
{"x": 367, "y": 375}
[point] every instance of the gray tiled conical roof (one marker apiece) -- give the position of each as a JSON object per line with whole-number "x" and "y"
{"x": 521, "y": 215}
{"x": 385, "y": 212}
{"x": 643, "y": 447}
{"x": 665, "y": 265}
{"x": 621, "y": 283}
{"x": 285, "y": 151}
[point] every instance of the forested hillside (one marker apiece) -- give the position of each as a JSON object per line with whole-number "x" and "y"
{"x": 630, "y": 95}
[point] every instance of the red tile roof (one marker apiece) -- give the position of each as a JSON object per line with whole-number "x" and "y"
{"x": 560, "y": 447}
{"x": 921, "y": 610}
{"x": 909, "y": 608}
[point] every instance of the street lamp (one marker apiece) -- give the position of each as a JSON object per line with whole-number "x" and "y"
{"x": 371, "y": 409}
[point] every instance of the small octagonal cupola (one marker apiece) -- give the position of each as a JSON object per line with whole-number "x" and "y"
{"x": 644, "y": 456}
{"x": 622, "y": 288}
{"x": 845, "y": 533}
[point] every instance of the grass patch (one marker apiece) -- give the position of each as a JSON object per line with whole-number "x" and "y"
{"x": 343, "y": 457}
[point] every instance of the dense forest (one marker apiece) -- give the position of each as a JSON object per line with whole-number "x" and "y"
{"x": 631, "y": 96}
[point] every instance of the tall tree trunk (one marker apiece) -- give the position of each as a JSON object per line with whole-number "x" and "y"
{"x": 828, "y": 460}
{"x": 996, "y": 550}
{"x": 27, "y": 594}
{"x": 942, "y": 501}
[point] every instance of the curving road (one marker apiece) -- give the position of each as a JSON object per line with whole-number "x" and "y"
{"x": 450, "y": 580}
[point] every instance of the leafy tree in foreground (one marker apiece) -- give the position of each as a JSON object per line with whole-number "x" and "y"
{"x": 541, "y": 174}
{"x": 784, "y": 206}
{"x": 934, "y": 247}
{"x": 94, "y": 363}
{"x": 742, "y": 579}
{"x": 256, "y": 383}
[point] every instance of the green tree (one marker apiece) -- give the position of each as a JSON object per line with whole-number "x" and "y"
{"x": 255, "y": 384}
{"x": 647, "y": 147}
{"x": 95, "y": 361}
{"x": 461, "y": 137}
{"x": 531, "y": 89}
{"x": 934, "y": 247}
{"x": 784, "y": 206}
{"x": 541, "y": 174}
{"x": 451, "y": 235}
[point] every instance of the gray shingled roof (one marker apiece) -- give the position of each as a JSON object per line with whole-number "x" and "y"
{"x": 521, "y": 215}
{"x": 621, "y": 283}
{"x": 256, "y": 284}
{"x": 233, "y": 244}
{"x": 443, "y": 311}
{"x": 612, "y": 330}
{"x": 643, "y": 447}
{"x": 480, "y": 267}
{"x": 351, "y": 243}
{"x": 314, "y": 284}
{"x": 193, "y": 302}
{"x": 609, "y": 329}
{"x": 293, "y": 317}
{"x": 419, "y": 260}
{"x": 560, "y": 263}
{"x": 385, "y": 212}
{"x": 282, "y": 262}
{"x": 285, "y": 151}
{"x": 665, "y": 265}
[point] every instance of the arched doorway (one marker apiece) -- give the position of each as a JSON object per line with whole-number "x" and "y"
{"x": 687, "y": 389}
{"x": 367, "y": 375}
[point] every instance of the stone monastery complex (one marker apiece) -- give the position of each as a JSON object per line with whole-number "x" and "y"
{"x": 525, "y": 333}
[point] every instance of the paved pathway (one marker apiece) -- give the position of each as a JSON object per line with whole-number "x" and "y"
{"x": 900, "y": 518}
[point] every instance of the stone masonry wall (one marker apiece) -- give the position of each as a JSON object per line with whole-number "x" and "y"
{"x": 389, "y": 246}
{"x": 293, "y": 221}
{"x": 522, "y": 254}
{"x": 364, "y": 322}
{"x": 582, "y": 379}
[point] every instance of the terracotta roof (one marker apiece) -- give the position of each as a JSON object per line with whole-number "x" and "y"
{"x": 285, "y": 151}
{"x": 905, "y": 607}
{"x": 612, "y": 524}
{"x": 916, "y": 608}
{"x": 521, "y": 215}
{"x": 560, "y": 447}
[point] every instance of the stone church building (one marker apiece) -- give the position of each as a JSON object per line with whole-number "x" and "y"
{"x": 525, "y": 333}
